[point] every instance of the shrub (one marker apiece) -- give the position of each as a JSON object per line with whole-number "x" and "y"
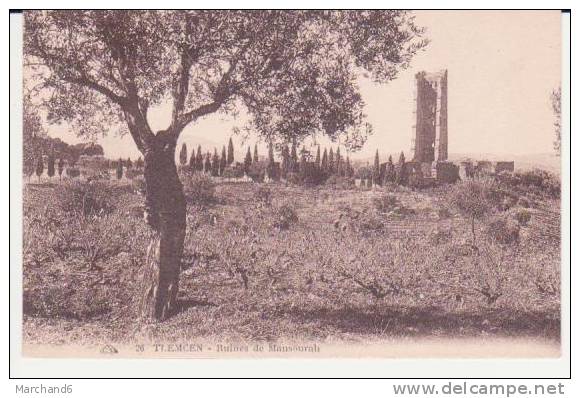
{"x": 293, "y": 178}
{"x": 523, "y": 217}
{"x": 138, "y": 184}
{"x": 503, "y": 230}
{"x": 284, "y": 217}
{"x": 443, "y": 213}
{"x": 199, "y": 189}
{"x": 386, "y": 203}
{"x": 439, "y": 236}
{"x": 133, "y": 173}
{"x": 339, "y": 182}
{"x": 369, "y": 222}
{"x": 73, "y": 172}
{"x": 537, "y": 181}
{"x": 87, "y": 198}
{"x": 263, "y": 195}
{"x": 523, "y": 202}
{"x": 473, "y": 198}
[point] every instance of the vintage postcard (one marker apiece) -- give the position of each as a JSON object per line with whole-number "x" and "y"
{"x": 291, "y": 184}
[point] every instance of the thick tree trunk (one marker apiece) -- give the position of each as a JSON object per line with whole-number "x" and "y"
{"x": 165, "y": 213}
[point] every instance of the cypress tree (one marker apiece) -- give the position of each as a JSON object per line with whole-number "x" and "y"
{"x": 192, "y": 160}
{"x": 60, "y": 168}
{"x": 50, "y": 167}
{"x": 248, "y": 161}
{"x": 139, "y": 163}
{"x": 255, "y": 153}
{"x": 317, "y": 160}
{"x": 285, "y": 160}
{"x": 402, "y": 158}
{"x": 215, "y": 163}
{"x": 207, "y": 165}
{"x": 348, "y": 170}
{"x": 401, "y": 177}
{"x": 338, "y": 162}
{"x": 230, "y": 151}
{"x": 331, "y": 165}
{"x": 223, "y": 160}
{"x": 183, "y": 155}
{"x": 390, "y": 170}
{"x": 303, "y": 167}
{"x": 324, "y": 162}
{"x": 39, "y": 167}
{"x": 293, "y": 158}
{"x": 199, "y": 159}
{"x": 270, "y": 153}
{"x": 377, "y": 168}
{"x": 120, "y": 169}
{"x": 129, "y": 164}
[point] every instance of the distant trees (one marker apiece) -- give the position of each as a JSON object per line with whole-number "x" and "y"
{"x": 183, "y": 155}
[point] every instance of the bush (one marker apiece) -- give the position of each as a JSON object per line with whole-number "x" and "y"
{"x": 504, "y": 231}
{"x": 523, "y": 217}
{"x": 339, "y": 182}
{"x": 443, "y": 213}
{"x": 284, "y": 217}
{"x": 537, "y": 181}
{"x": 199, "y": 189}
{"x": 133, "y": 173}
{"x": 263, "y": 195}
{"x": 293, "y": 178}
{"x": 440, "y": 236}
{"x": 87, "y": 198}
{"x": 73, "y": 172}
{"x": 474, "y": 199}
{"x": 386, "y": 203}
{"x": 523, "y": 202}
{"x": 138, "y": 184}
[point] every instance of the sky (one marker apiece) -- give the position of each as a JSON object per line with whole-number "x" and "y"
{"x": 502, "y": 67}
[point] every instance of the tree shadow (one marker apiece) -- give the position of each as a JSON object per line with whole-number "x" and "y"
{"x": 185, "y": 304}
{"x": 434, "y": 322}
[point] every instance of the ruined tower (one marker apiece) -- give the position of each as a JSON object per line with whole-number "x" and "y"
{"x": 430, "y": 117}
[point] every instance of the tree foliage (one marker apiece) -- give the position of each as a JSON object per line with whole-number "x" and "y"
{"x": 294, "y": 72}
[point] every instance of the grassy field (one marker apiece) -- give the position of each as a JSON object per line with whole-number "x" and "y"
{"x": 276, "y": 262}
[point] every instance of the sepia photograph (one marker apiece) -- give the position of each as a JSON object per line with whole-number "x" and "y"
{"x": 291, "y": 184}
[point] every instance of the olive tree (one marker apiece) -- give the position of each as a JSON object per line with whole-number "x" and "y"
{"x": 294, "y": 73}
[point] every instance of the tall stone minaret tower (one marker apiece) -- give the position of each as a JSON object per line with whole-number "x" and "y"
{"x": 430, "y": 116}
